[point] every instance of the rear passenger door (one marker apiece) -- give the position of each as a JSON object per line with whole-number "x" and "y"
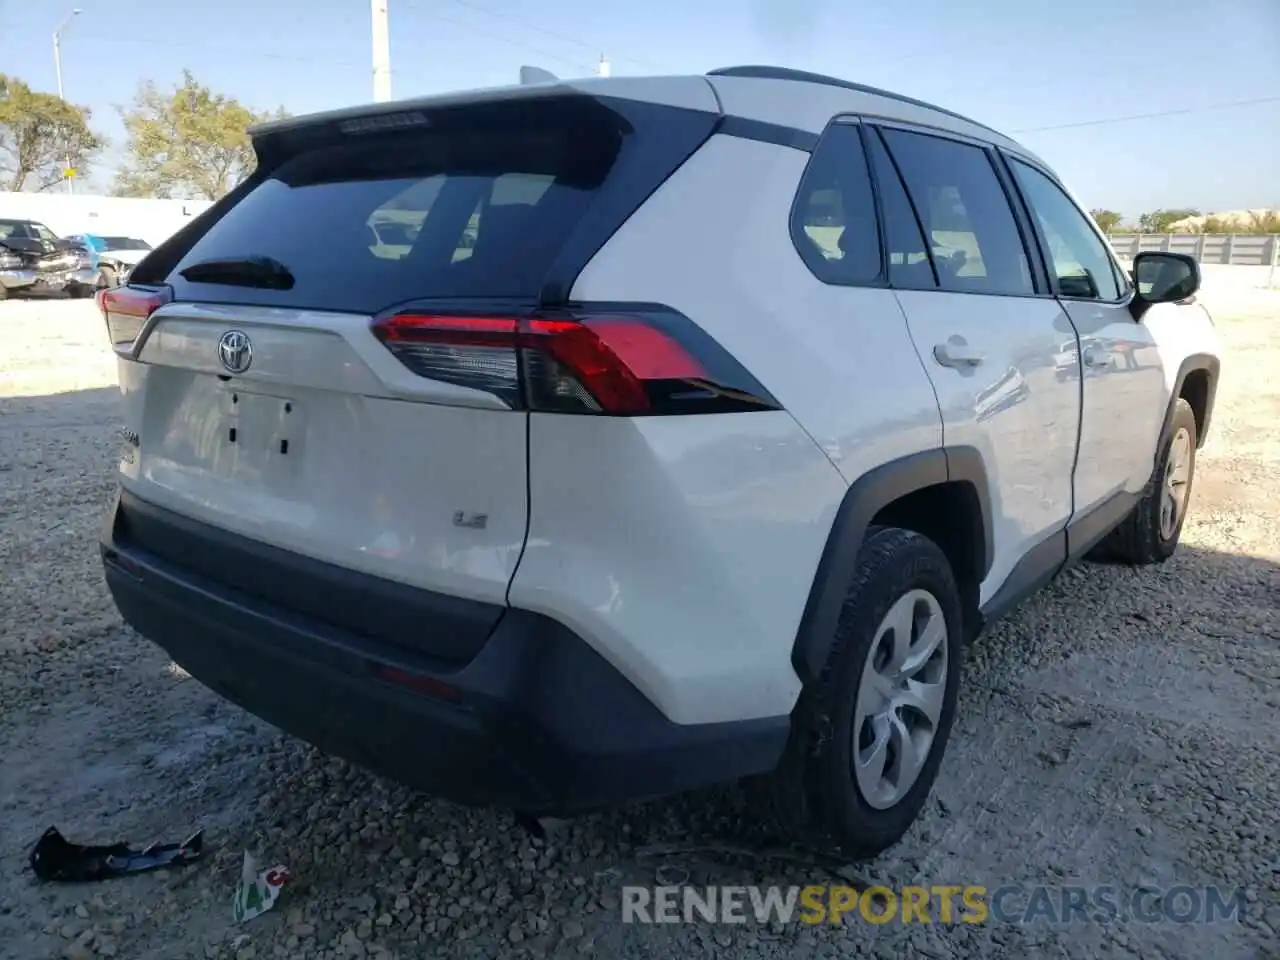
{"x": 1123, "y": 375}
{"x": 1000, "y": 350}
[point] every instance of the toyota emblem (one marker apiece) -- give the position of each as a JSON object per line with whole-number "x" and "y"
{"x": 235, "y": 351}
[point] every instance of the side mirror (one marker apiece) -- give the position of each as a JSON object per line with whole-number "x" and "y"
{"x": 1163, "y": 278}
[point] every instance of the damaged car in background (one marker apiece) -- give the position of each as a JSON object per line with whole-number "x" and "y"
{"x": 117, "y": 256}
{"x": 35, "y": 260}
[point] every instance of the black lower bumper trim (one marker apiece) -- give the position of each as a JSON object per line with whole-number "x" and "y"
{"x": 448, "y": 629}
{"x": 536, "y": 721}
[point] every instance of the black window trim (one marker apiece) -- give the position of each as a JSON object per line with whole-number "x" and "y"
{"x": 1041, "y": 274}
{"x": 889, "y": 122}
{"x": 873, "y": 124}
{"x": 873, "y": 131}
{"x": 1008, "y": 158}
{"x": 1030, "y": 242}
{"x": 745, "y": 128}
{"x": 795, "y": 228}
{"x": 803, "y": 76}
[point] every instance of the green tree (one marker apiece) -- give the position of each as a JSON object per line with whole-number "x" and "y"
{"x": 39, "y": 133}
{"x": 1159, "y": 221}
{"x": 188, "y": 143}
{"x": 1107, "y": 220}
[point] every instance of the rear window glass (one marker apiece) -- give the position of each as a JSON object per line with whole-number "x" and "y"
{"x": 364, "y": 223}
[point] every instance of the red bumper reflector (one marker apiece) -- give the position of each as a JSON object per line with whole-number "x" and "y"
{"x": 417, "y": 682}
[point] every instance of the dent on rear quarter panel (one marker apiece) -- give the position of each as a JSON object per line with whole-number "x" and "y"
{"x": 682, "y": 549}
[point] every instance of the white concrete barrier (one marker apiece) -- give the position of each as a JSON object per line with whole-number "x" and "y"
{"x": 150, "y": 220}
{"x": 1231, "y": 276}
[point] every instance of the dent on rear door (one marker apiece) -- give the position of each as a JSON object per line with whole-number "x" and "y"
{"x": 1019, "y": 406}
{"x": 1124, "y": 402}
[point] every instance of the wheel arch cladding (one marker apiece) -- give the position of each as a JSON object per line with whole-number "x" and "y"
{"x": 1197, "y": 383}
{"x": 906, "y": 492}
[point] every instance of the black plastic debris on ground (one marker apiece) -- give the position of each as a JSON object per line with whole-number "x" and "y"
{"x": 55, "y": 858}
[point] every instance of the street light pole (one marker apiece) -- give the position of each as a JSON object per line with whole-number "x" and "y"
{"x": 381, "y": 52}
{"x": 57, "y": 68}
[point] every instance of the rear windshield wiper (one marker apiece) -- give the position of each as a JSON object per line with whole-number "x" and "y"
{"x": 264, "y": 272}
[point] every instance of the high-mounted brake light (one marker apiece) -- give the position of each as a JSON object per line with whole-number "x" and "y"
{"x": 126, "y": 310}
{"x": 593, "y": 360}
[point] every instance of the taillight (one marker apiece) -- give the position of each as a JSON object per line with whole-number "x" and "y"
{"x": 126, "y": 310}
{"x": 650, "y": 361}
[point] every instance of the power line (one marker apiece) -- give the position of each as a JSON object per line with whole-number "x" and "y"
{"x": 1151, "y": 116}
{"x": 489, "y": 11}
{"x": 339, "y": 61}
{"x": 529, "y": 25}
{"x": 133, "y": 38}
{"x": 590, "y": 68}
{"x": 483, "y": 31}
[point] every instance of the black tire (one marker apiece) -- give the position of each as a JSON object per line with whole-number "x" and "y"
{"x": 4, "y": 292}
{"x": 1141, "y": 539}
{"x": 814, "y": 797}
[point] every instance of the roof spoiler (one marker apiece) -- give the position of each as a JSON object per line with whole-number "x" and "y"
{"x": 531, "y": 75}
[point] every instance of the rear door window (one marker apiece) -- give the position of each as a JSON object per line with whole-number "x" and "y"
{"x": 972, "y": 233}
{"x": 470, "y": 211}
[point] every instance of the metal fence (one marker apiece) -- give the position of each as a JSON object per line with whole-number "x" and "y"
{"x": 1240, "y": 249}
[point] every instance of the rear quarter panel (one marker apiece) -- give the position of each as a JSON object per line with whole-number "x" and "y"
{"x": 684, "y": 548}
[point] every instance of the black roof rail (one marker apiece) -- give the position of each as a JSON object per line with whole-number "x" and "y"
{"x": 803, "y": 76}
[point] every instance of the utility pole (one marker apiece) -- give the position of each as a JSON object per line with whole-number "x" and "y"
{"x": 381, "y": 52}
{"x": 57, "y": 68}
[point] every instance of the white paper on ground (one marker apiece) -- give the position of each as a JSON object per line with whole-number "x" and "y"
{"x": 257, "y": 892}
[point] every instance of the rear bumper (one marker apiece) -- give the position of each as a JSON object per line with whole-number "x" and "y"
{"x": 536, "y": 720}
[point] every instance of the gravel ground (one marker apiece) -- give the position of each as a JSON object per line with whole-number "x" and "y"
{"x": 1120, "y": 729}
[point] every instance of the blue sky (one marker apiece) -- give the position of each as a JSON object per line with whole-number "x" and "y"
{"x": 1014, "y": 64}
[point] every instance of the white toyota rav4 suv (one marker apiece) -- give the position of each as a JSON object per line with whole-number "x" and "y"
{"x": 686, "y": 429}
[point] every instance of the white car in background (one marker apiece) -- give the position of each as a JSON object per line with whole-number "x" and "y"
{"x": 126, "y": 251}
{"x": 116, "y": 256}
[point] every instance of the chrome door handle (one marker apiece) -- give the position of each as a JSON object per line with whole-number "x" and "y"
{"x": 956, "y": 352}
{"x": 1095, "y": 356}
